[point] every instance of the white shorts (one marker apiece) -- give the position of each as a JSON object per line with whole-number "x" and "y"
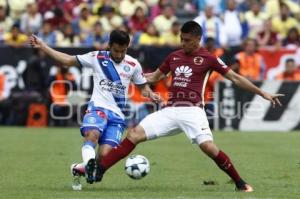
{"x": 174, "y": 120}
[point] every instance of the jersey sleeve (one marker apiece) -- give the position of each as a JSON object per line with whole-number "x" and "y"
{"x": 138, "y": 75}
{"x": 219, "y": 66}
{"x": 165, "y": 66}
{"x": 86, "y": 60}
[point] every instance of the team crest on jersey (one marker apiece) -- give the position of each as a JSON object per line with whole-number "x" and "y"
{"x": 198, "y": 60}
{"x": 126, "y": 68}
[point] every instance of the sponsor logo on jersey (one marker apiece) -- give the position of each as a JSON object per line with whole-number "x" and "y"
{"x": 185, "y": 70}
{"x": 104, "y": 63}
{"x": 116, "y": 88}
{"x": 180, "y": 84}
{"x": 198, "y": 60}
{"x": 176, "y": 58}
{"x": 182, "y": 74}
{"x": 131, "y": 63}
{"x": 101, "y": 57}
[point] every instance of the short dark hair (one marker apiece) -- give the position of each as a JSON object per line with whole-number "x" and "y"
{"x": 289, "y": 60}
{"x": 192, "y": 27}
{"x": 119, "y": 37}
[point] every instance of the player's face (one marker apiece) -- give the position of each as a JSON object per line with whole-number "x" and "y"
{"x": 118, "y": 52}
{"x": 189, "y": 42}
{"x": 290, "y": 67}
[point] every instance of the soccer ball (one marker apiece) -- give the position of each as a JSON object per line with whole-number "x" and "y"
{"x": 137, "y": 166}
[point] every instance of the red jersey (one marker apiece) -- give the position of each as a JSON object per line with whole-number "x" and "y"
{"x": 190, "y": 74}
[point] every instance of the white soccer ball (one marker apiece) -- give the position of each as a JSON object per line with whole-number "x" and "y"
{"x": 137, "y": 166}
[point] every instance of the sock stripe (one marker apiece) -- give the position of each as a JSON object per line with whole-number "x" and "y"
{"x": 89, "y": 143}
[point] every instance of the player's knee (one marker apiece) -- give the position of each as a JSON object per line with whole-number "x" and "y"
{"x": 136, "y": 135}
{"x": 92, "y": 135}
{"x": 209, "y": 148}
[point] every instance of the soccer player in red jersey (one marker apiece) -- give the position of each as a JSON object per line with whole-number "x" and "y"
{"x": 190, "y": 68}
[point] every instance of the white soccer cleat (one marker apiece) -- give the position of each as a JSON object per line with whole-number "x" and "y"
{"x": 248, "y": 188}
{"x": 76, "y": 185}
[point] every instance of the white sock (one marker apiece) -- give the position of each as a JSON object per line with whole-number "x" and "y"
{"x": 88, "y": 152}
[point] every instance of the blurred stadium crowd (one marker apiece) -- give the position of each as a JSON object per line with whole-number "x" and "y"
{"x": 77, "y": 23}
{"x": 232, "y": 29}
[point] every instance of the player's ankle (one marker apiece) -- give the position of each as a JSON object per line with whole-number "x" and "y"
{"x": 240, "y": 184}
{"x": 100, "y": 170}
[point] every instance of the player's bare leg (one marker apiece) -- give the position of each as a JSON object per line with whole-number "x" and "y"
{"x": 224, "y": 163}
{"x": 134, "y": 136}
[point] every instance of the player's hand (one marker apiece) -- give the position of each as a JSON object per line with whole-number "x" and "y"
{"x": 156, "y": 98}
{"x": 35, "y": 41}
{"x": 273, "y": 98}
{"x": 147, "y": 76}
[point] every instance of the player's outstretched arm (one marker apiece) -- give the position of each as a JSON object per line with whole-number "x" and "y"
{"x": 246, "y": 84}
{"x": 155, "y": 76}
{"x": 65, "y": 59}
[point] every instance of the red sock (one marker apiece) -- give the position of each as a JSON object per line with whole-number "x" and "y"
{"x": 224, "y": 163}
{"x": 117, "y": 154}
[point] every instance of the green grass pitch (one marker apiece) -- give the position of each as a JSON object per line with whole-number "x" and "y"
{"x": 35, "y": 165}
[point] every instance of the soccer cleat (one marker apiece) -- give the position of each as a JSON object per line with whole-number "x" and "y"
{"x": 245, "y": 188}
{"x": 77, "y": 170}
{"x": 76, "y": 185}
{"x": 242, "y": 186}
{"x": 90, "y": 170}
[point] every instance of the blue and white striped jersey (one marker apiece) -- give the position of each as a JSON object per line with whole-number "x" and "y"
{"x": 111, "y": 80}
